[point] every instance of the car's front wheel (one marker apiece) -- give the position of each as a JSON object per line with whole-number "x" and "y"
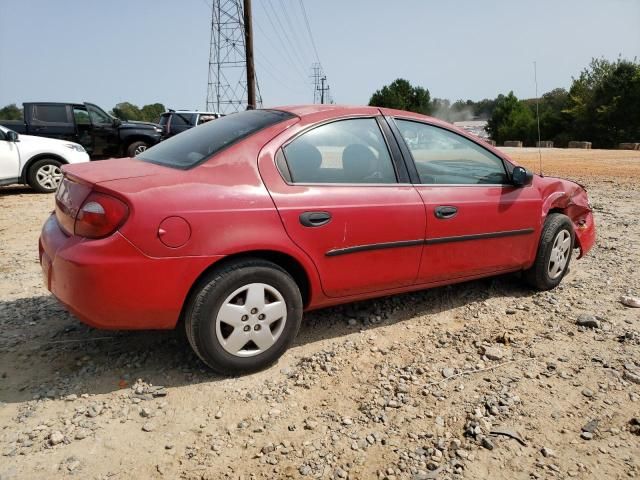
{"x": 554, "y": 253}
{"x": 45, "y": 175}
{"x": 243, "y": 316}
{"x": 136, "y": 148}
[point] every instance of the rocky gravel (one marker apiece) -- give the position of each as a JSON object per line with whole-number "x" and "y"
{"x": 486, "y": 379}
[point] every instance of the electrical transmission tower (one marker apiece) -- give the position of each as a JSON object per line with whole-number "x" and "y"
{"x": 227, "y": 90}
{"x": 321, "y": 90}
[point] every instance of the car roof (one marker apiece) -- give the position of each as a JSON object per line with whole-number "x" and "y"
{"x": 191, "y": 111}
{"x": 345, "y": 110}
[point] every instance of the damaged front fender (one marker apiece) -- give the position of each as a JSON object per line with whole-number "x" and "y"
{"x": 571, "y": 199}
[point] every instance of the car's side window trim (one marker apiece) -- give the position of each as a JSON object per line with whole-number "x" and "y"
{"x": 416, "y": 179}
{"x": 402, "y": 175}
{"x": 404, "y": 150}
{"x": 282, "y": 162}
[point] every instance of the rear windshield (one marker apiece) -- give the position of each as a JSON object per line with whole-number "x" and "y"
{"x": 196, "y": 145}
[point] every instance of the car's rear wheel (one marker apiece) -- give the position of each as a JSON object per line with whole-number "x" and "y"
{"x": 136, "y": 148}
{"x": 554, "y": 253}
{"x": 243, "y": 316}
{"x": 45, "y": 175}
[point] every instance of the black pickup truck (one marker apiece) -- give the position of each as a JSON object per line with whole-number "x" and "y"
{"x": 99, "y": 133}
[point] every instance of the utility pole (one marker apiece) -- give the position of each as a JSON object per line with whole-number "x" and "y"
{"x": 322, "y": 89}
{"x": 248, "y": 44}
{"x": 320, "y": 86}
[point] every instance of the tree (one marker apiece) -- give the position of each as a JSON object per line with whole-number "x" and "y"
{"x": 511, "y": 120}
{"x": 604, "y": 103}
{"x": 555, "y": 123}
{"x": 127, "y": 111}
{"x": 11, "y": 112}
{"x": 402, "y": 95}
{"x": 615, "y": 106}
{"x": 484, "y": 108}
{"x": 152, "y": 112}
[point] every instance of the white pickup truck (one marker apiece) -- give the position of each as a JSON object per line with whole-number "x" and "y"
{"x": 35, "y": 161}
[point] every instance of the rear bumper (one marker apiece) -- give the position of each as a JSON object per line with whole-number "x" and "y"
{"x": 586, "y": 234}
{"x": 110, "y": 284}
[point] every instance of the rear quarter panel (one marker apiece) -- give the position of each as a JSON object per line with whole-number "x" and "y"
{"x": 224, "y": 201}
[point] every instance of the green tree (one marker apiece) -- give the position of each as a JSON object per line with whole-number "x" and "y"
{"x": 127, "y": 111}
{"x": 484, "y": 108}
{"x": 152, "y": 112}
{"x": 511, "y": 120}
{"x": 615, "y": 106}
{"x": 604, "y": 103}
{"x": 555, "y": 123}
{"x": 402, "y": 95}
{"x": 11, "y": 112}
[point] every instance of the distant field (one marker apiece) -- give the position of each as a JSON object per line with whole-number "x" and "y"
{"x": 618, "y": 165}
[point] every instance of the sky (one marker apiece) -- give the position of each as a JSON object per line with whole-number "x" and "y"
{"x": 147, "y": 51}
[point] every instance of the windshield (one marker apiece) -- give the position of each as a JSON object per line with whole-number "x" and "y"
{"x": 196, "y": 145}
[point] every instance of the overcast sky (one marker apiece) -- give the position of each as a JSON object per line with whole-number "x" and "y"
{"x": 147, "y": 51}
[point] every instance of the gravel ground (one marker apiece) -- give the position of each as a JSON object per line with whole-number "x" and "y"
{"x": 485, "y": 379}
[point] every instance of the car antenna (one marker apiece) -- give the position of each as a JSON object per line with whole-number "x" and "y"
{"x": 535, "y": 79}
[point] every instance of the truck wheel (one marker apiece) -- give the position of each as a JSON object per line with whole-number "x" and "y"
{"x": 136, "y": 148}
{"x": 554, "y": 253}
{"x": 45, "y": 175}
{"x": 244, "y": 316}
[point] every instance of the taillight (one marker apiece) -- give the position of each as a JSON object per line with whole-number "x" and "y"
{"x": 100, "y": 216}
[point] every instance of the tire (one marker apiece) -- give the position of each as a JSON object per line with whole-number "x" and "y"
{"x": 136, "y": 148}
{"x": 554, "y": 253}
{"x": 243, "y": 345}
{"x": 45, "y": 175}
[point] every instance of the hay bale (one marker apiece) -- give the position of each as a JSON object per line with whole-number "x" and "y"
{"x": 490, "y": 142}
{"x": 629, "y": 146}
{"x": 513, "y": 143}
{"x": 574, "y": 144}
{"x": 544, "y": 144}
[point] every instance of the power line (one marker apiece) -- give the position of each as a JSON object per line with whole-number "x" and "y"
{"x": 306, "y": 21}
{"x": 287, "y": 57}
{"x": 292, "y": 28}
{"x": 282, "y": 42}
{"x": 284, "y": 31}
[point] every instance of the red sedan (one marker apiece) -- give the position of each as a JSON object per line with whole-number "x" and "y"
{"x": 236, "y": 227}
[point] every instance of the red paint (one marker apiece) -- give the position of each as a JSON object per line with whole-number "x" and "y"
{"x": 174, "y": 232}
{"x": 182, "y": 222}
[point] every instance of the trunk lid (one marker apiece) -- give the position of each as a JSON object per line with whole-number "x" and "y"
{"x": 113, "y": 169}
{"x": 80, "y": 179}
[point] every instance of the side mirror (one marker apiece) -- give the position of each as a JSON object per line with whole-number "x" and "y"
{"x": 12, "y": 136}
{"x": 117, "y": 122}
{"x": 521, "y": 176}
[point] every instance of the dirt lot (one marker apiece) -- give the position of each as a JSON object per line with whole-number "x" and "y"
{"x": 404, "y": 387}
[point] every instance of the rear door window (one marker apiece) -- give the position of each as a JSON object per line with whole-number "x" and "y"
{"x": 58, "y": 114}
{"x": 345, "y": 151}
{"x": 196, "y": 145}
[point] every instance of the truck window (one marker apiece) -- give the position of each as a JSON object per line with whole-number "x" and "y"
{"x": 99, "y": 116}
{"x": 50, "y": 114}
{"x": 81, "y": 116}
{"x": 182, "y": 119}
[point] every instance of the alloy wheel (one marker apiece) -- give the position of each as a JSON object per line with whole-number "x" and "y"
{"x": 559, "y": 254}
{"x": 251, "y": 320}
{"x": 139, "y": 149}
